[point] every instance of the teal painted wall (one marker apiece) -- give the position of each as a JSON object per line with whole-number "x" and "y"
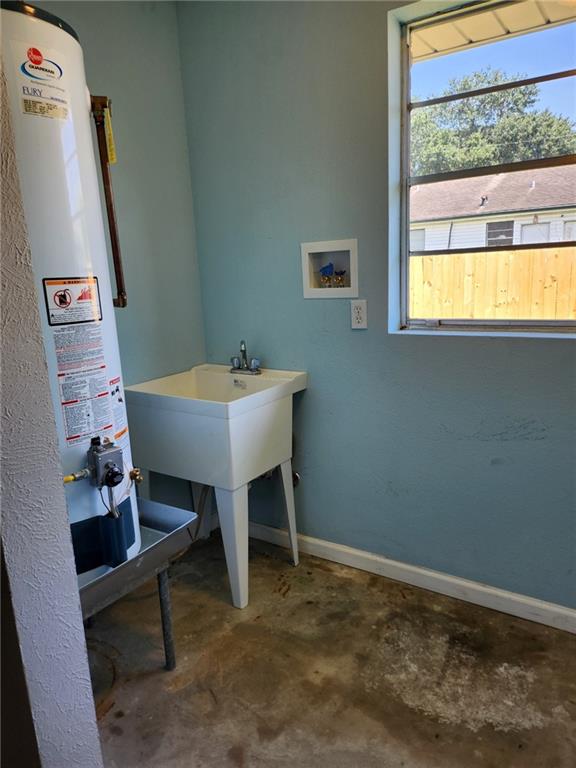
{"x": 452, "y": 453}
{"x": 131, "y": 54}
{"x": 456, "y": 454}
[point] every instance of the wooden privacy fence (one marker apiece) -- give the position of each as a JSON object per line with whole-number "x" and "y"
{"x": 533, "y": 284}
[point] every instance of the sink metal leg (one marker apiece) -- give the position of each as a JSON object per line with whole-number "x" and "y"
{"x": 288, "y": 488}
{"x": 233, "y": 516}
{"x": 166, "y": 614}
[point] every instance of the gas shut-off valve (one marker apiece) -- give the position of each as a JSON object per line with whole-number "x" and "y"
{"x": 106, "y": 466}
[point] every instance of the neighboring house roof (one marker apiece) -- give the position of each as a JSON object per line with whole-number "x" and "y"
{"x": 537, "y": 189}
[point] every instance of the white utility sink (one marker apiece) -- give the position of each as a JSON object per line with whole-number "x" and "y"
{"x": 224, "y": 429}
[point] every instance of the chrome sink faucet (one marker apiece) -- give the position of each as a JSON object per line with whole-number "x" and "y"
{"x": 241, "y": 365}
{"x": 243, "y": 356}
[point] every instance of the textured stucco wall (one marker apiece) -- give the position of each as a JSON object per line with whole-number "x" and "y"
{"x": 35, "y": 530}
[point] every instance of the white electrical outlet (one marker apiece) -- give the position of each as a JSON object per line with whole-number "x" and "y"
{"x": 359, "y": 313}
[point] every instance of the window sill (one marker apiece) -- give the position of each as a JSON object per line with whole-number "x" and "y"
{"x": 484, "y": 333}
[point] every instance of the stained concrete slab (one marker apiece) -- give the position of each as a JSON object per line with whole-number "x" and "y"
{"x": 328, "y": 666}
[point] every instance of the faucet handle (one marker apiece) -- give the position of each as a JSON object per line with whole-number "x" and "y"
{"x": 255, "y": 364}
{"x": 235, "y": 362}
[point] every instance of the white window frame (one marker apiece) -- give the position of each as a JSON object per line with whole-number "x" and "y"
{"x": 564, "y": 228}
{"x": 524, "y": 228}
{"x": 413, "y": 230}
{"x": 398, "y": 225}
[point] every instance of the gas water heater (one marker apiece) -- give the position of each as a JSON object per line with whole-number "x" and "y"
{"x": 51, "y": 110}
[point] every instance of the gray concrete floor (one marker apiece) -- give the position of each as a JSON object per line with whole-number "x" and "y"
{"x": 328, "y": 666}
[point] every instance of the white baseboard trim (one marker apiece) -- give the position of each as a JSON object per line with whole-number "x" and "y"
{"x": 551, "y": 614}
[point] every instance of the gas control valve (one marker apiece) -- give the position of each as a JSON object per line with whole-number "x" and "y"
{"x": 106, "y": 463}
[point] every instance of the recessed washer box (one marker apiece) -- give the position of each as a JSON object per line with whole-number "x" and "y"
{"x": 343, "y": 254}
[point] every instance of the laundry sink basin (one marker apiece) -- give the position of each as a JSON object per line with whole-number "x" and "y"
{"x": 212, "y": 426}
{"x": 220, "y": 428}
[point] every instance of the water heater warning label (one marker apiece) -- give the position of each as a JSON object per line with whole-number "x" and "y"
{"x": 72, "y": 300}
{"x": 118, "y": 408}
{"x": 79, "y": 347}
{"x": 85, "y": 403}
{"x": 83, "y": 380}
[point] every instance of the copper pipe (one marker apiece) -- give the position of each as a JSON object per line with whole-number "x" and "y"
{"x": 99, "y": 104}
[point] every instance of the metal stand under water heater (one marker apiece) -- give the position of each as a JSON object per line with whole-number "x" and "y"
{"x": 51, "y": 110}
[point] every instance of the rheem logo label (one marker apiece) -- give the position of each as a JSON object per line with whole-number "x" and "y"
{"x": 35, "y": 56}
{"x": 39, "y": 68}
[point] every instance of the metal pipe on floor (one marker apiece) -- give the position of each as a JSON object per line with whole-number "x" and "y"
{"x": 166, "y": 615}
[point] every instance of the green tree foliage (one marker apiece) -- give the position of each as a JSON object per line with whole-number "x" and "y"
{"x": 499, "y": 127}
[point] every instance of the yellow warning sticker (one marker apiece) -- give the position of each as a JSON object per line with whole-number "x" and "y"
{"x": 110, "y": 145}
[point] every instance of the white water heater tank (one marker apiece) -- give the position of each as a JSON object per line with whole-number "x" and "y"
{"x": 51, "y": 118}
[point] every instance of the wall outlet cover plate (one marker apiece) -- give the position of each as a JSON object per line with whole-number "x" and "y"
{"x": 359, "y": 314}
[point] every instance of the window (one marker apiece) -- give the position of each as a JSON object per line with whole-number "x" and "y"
{"x": 489, "y": 168}
{"x": 535, "y": 233}
{"x": 499, "y": 233}
{"x": 570, "y": 230}
{"x": 417, "y": 239}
